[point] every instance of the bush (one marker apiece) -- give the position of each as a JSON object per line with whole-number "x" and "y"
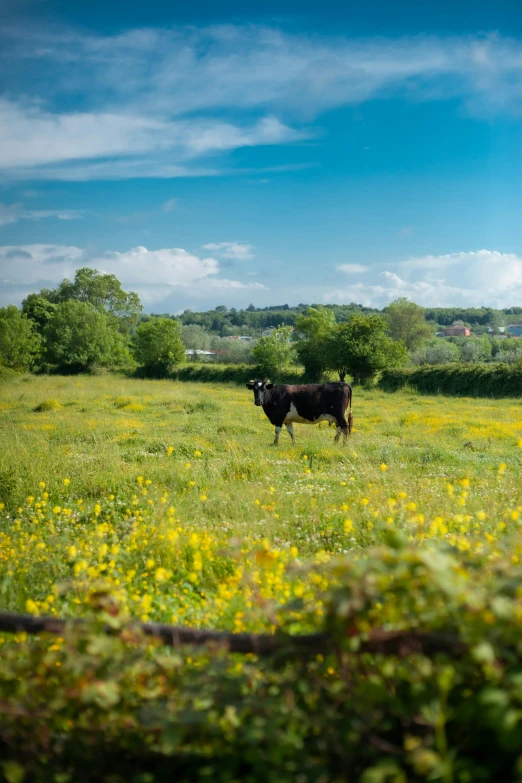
{"x": 238, "y": 373}
{"x": 436, "y": 351}
{"x": 475, "y": 349}
{"x": 158, "y": 346}
{"x": 6, "y": 374}
{"x": 274, "y": 352}
{"x": 492, "y": 380}
{"x": 233, "y": 351}
{"x": 19, "y": 341}
{"x": 95, "y": 707}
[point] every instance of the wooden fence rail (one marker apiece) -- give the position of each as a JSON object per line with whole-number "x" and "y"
{"x": 401, "y": 643}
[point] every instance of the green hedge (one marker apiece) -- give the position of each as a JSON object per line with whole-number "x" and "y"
{"x": 229, "y": 373}
{"x": 7, "y": 374}
{"x": 476, "y": 380}
{"x": 110, "y": 709}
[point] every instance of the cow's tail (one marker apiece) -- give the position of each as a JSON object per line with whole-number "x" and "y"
{"x": 350, "y": 414}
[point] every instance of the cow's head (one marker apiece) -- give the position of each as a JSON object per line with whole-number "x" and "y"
{"x": 259, "y": 388}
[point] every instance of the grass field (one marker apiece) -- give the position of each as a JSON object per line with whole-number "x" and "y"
{"x": 172, "y": 494}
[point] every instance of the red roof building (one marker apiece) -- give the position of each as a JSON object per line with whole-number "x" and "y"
{"x": 457, "y": 330}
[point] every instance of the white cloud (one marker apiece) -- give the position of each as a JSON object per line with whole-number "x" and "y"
{"x": 154, "y": 274}
{"x": 155, "y": 99}
{"x": 235, "y": 250}
{"x": 352, "y": 269}
{"x": 35, "y": 143}
{"x": 476, "y": 278}
{"x": 11, "y": 213}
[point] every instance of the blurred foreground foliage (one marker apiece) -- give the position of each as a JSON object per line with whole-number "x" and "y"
{"x": 92, "y": 706}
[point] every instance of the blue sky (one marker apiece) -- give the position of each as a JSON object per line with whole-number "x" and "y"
{"x": 291, "y": 152}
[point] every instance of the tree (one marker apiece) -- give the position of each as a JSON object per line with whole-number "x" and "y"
{"x": 19, "y": 342}
{"x": 103, "y": 292}
{"x": 275, "y": 352}
{"x": 362, "y": 348}
{"x": 232, "y": 351}
{"x": 158, "y": 345}
{"x": 436, "y": 351}
{"x": 407, "y": 323}
{"x": 79, "y": 337}
{"x": 475, "y": 349}
{"x": 195, "y": 338}
{"x": 314, "y": 329}
{"x": 39, "y": 310}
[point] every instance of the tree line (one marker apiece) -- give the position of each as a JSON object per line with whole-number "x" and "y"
{"x": 91, "y": 322}
{"x": 252, "y": 320}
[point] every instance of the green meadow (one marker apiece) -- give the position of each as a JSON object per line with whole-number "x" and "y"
{"x": 165, "y": 501}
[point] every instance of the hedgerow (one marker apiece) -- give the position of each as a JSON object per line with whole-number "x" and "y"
{"x": 89, "y": 706}
{"x": 230, "y": 373}
{"x": 480, "y": 380}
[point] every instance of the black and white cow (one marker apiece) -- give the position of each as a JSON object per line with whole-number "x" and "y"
{"x": 307, "y": 404}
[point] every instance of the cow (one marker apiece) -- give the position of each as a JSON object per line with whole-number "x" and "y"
{"x": 306, "y": 404}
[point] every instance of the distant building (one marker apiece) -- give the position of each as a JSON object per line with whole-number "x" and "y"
{"x": 456, "y": 331}
{"x": 200, "y": 354}
{"x": 245, "y": 337}
{"x": 268, "y": 332}
{"x": 515, "y": 330}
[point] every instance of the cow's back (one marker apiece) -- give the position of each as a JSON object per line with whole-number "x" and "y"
{"x": 316, "y": 399}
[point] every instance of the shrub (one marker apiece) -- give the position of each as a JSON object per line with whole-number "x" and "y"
{"x": 274, "y": 352}
{"x": 475, "y": 349}
{"x": 443, "y": 706}
{"x": 158, "y": 346}
{"x": 436, "y": 351}
{"x": 19, "y": 341}
{"x": 238, "y": 373}
{"x": 492, "y": 380}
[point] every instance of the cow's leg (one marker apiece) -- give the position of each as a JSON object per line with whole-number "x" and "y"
{"x": 290, "y": 428}
{"x": 341, "y": 426}
{"x": 276, "y": 438}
